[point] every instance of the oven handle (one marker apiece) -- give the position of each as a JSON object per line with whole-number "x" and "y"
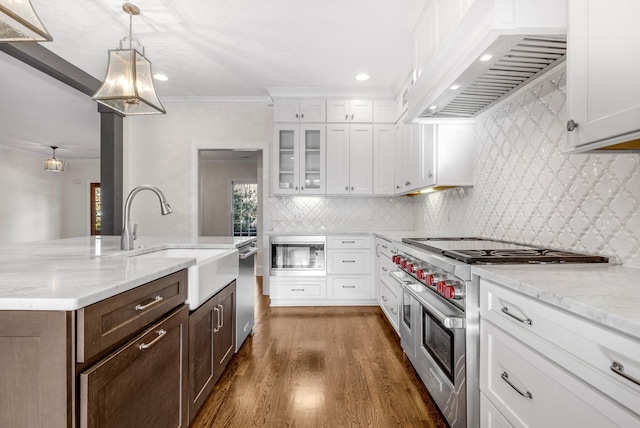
{"x": 447, "y": 321}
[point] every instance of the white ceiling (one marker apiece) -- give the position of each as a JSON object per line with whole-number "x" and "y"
{"x": 207, "y": 48}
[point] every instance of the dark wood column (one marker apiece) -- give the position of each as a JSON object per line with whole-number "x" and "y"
{"x": 111, "y": 170}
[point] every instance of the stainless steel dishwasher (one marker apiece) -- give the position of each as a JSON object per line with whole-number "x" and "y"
{"x": 245, "y": 292}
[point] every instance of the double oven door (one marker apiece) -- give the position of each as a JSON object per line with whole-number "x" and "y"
{"x": 433, "y": 337}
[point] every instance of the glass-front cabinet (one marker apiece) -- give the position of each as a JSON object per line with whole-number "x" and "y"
{"x": 299, "y": 159}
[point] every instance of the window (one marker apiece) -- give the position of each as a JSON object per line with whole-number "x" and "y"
{"x": 96, "y": 209}
{"x": 244, "y": 209}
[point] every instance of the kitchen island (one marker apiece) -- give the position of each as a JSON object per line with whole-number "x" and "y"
{"x": 85, "y": 328}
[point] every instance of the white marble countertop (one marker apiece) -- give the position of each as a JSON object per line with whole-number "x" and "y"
{"x": 605, "y": 294}
{"x": 69, "y": 274}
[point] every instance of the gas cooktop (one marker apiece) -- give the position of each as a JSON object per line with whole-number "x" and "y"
{"x": 489, "y": 251}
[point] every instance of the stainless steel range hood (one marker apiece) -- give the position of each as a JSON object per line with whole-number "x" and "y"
{"x": 516, "y": 61}
{"x": 496, "y": 48}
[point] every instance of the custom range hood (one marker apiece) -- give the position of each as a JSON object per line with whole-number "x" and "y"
{"x": 497, "y": 47}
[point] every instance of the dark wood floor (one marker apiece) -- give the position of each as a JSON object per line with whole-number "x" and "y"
{"x": 319, "y": 367}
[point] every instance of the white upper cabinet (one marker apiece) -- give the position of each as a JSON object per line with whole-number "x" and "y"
{"x": 345, "y": 111}
{"x": 447, "y": 154}
{"x": 383, "y": 159}
{"x": 299, "y": 159}
{"x": 384, "y": 111}
{"x": 349, "y": 159}
{"x": 309, "y": 111}
{"x": 603, "y": 65}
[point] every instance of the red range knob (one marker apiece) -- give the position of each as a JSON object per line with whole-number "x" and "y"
{"x": 441, "y": 286}
{"x": 396, "y": 259}
{"x": 410, "y": 267}
{"x": 420, "y": 273}
{"x": 449, "y": 292}
{"x": 403, "y": 263}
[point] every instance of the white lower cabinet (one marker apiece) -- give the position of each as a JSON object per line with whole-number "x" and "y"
{"x": 389, "y": 292}
{"x": 349, "y": 269}
{"x": 390, "y": 304}
{"x": 349, "y": 287}
{"x": 289, "y": 291}
{"x": 543, "y": 367}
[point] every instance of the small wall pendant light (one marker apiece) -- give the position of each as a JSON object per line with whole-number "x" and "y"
{"x": 128, "y": 86}
{"x": 53, "y": 164}
{"x": 20, "y": 23}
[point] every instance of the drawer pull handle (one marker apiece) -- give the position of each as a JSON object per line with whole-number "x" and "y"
{"x": 221, "y": 324}
{"x": 217, "y": 327}
{"x": 297, "y": 289}
{"x": 384, "y": 269}
{"x": 348, "y": 261}
{"x": 384, "y": 246}
{"x": 144, "y": 346}
{"x": 393, "y": 310}
{"x": 618, "y": 369}
{"x": 348, "y": 286}
{"x": 148, "y": 305}
{"x": 505, "y": 377}
{"x": 394, "y": 251}
{"x": 527, "y": 321}
{"x": 351, "y": 242}
{"x": 384, "y": 298}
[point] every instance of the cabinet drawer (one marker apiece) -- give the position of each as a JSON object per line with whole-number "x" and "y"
{"x": 108, "y": 323}
{"x": 582, "y": 347}
{"x": 350, "y": 287}
{"x": 143, "y": 383}
{"x": 385, "y": 248}
{"x": 351, "y": 262}
{"x": 531, "y": 391}
{"x": 490, "y": 417}
{"x": 346, "y": 242}
{"x": 298, "y": 289}
{"x": 385, "y": 268}
{"x": 389, "y": 304}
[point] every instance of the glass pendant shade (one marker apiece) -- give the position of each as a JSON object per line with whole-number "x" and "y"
{"x": 53, "y": 164}
{"x": 128, "y": 86}
{"x": 19, "y": 22}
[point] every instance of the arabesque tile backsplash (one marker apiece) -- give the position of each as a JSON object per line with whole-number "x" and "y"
{"x": 525, "y": 190}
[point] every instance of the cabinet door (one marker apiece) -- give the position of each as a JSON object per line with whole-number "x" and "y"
{"x": 286, "y": 164}
{"x": 313, "y": 110}
{"x": 338, "y": 159}
{"x": 224, "y": 338}
{"x": 361, "y": 111}
{"x": 286, "y": 110}
{"x": 384, "y": 111}
{"x": 338, "y": 111}
{"x": 142, "y": 384}
{"x": 312, "y": 159}
{"x": 361, "y": 160}
{"x": 410, "y": 158}
{"x": 428, "y": 155}
{"x": 383, "y": 159}
{"x": 202, "y": 322}
{"x": 399, "y": 159}
{"x": 603, "y": 89}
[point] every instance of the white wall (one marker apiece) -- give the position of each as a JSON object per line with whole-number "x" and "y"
{"x": 216, "y": 178}
{"x": 39, "y": 205}
{"x": 527, "y": 190}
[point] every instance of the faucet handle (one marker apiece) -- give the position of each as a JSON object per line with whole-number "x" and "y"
{"x": 135, "y": 231}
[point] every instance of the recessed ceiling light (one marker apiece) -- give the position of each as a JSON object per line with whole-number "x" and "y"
{"x": 433, "y": 107}
{"x": 160, "y": 77}
{"x": 454, "y": 87}
{"x": 362, "y": 77}
{"x": 486, "y": 57}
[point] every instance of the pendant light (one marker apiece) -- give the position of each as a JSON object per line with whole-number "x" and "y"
{"x": 128, "y": 85}
{"x": 53, "y": 164}
{"x": 19, "y": 23}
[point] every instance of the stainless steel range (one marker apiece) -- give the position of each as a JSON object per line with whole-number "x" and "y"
{"x": 439, "y": 323}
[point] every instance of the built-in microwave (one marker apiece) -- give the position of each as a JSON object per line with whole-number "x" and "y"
{"x": 298, "y": 255}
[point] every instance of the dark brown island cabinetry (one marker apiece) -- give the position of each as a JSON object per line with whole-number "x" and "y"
{"x": 119, "y": 362}
{"x": 211, "y": 344}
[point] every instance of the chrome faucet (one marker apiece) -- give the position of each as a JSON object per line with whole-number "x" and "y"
{"x": 128, "y": 236}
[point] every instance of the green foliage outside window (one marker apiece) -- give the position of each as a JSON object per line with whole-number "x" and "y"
{"x": 245, "y": 209}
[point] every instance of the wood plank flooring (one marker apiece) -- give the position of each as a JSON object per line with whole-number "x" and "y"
{"x": 319, "y": 367}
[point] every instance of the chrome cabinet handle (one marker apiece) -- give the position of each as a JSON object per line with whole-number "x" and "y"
{"x": 297, "y": 289}
{"x": 351, "y": 117}
{"x": 296, "y": 115}
{"x": 348, "y": 261}
{"x": 430, "y": 175}
{"x": 393, "y": 310}
{"x": 407, "y": 183}
{"x": 527, "y": 321}
{"x": 351, "y": 187}
{"x": 394, "y": 251}
{"x": 346, "y": 117}
{"x": 144, "y": 346}
{"x": 302, "y": 115}
{"x": 384, "y": 298}
{"x": 301, "y": 187}
{"x": 384, "y": 246}
{"x": 221, "y": 324}
{"x": 571, "y": 125}
{"x": 397, "y": 187}
{"x": 618, "y": 369}
{"x": 346, "y": 188}
{"x": 505, "y": 377}
{"x": 348, "y": 286}
{"x": 217, "y": 327}
{"x": 384, "y": 269}
{"x": 155, "y": 300}
{"x": 348, "y": 242}
{"x": 296, "y": 187}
